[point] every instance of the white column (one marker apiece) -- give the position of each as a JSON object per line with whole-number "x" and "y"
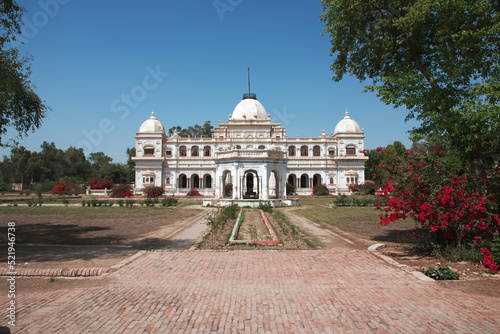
{"x": 265, "y": 183}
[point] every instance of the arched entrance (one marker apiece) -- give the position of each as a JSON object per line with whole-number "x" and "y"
{"x": 207, "y": 181}
{"x": 316, "y": 179}
{"x": 292, "y": 179}
{"x": 182, "y": 181}
{"x": 227, "y": 185}
{"x": 195, "y": 179}
{"x": 250, "y": 184}
{"x": 304, "y": 181}
{"x": 274, "y": 185}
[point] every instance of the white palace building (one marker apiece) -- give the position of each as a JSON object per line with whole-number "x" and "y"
{"x": 251, "y": 155}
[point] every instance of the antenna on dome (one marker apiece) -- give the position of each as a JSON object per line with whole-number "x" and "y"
{"x": 249, "y": 95}
{"x": 249, "y": 81}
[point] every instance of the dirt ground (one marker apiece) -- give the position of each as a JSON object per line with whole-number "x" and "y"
{"x": 89, "y": 237}
{"x": 252, "y": 227}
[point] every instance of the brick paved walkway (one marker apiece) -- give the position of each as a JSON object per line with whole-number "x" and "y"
{"x": 330, "y": 291}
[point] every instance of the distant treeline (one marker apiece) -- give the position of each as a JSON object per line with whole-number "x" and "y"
{"x": 52, "y": 164}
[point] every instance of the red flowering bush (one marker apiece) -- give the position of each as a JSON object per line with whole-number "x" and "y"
{"x": 100, "y": 183}
{"x": 320, "y": 190}
{"x": 453, "y": 209}
{"x": 63, "y": 187}
{"x": 153, "y": 192}
{"x": 488, "y": 260}
{"x": 122, "y": 191}
{"x": 194, "y": 192}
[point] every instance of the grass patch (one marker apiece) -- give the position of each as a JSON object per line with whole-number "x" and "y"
{"x": 364, "y": 221}
{"x": 324, "y": 201}
{"x": 186, "y": 203}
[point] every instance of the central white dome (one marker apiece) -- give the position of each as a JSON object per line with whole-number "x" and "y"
{"x": 249, "y": 109}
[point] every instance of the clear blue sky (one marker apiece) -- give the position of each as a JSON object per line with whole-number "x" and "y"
{"x": 187, "y": 60}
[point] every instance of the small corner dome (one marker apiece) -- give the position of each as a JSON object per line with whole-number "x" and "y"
{"x": 249, "y": 109}
{"x": 152, "y": 125}
{"x": 347, "y": 124}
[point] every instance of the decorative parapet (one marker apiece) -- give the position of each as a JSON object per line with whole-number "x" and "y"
{"x": 250, "y": 154}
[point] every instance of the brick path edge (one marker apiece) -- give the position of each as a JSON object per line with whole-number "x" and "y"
{"x": 72, "y": 272}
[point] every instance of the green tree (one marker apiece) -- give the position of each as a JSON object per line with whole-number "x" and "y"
{"x": 20, "y": 157}
{"x": 98, "y": 161}
{"x": 439, "y": 59}
{"x": 196, "y": 131}
{"x": 77, "y": 164}
{"x": 130, "y": 165}
{"x": 20, "y": 106}
{"x": 53, "y": 161}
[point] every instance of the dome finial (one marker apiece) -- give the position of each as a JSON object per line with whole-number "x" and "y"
{"x": 346, "y": 112}
{"x": 249, "y": 95}
{"x": 153, "y": 113}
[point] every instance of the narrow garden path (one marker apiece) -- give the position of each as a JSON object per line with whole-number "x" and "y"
{"x": 327, "y": 236}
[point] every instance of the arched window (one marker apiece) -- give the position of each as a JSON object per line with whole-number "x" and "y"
{"x": 194, "y": 151}
{"x": 350, "y": 150}
{"x": 148, "y": 150}
{"x": 331, "y": 151}
{"x": 148, "y": 180}
{"x": 182, "y": 151}
{"x": 303, "y": 151}
{"x": 261, "y": 147}
{"x": 291, "y": 151}
{"x": 316, "y": 151}
{"x": 207, "y": 151}
{"x": 331, "y": 180}
{"x": 238, "y": 147}
{"x": 168, "y": 180}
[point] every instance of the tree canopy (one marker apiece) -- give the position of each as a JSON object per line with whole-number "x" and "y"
{"x": 53, "y": 164}
{"x": 439, "y": 59}
{"x": 20, "y": 106}
{"x": 206, "y": 130}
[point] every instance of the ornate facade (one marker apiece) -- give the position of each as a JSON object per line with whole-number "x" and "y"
{"x": 249, "y": 157}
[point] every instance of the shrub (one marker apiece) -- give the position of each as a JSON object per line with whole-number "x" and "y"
{"x": 65, "y": 201}
{"x": 153, "y": 192}
{"x": 454, "y": 209}
{"x": 266, "y": 206}
{"x": 193, "y": 192}
{"x": 342, "y": 200}
{"x": 63, "y": 187}
{"x": 169, "y": 201}
{"x": 4, "y": 186}
{"x": 83, "y": 203}
{"x": 122, "y": 191}
{"x": 44, "y": 187}
{"x": 100, "y": 183}
{"x": 441, "y": 273}
{"x": 290, "y": 189}
{"x": 129, "y": 202}
{"x": 320, "y": 190}
{"x": 30, "y": 202}
{"x": 119, "y": 202}
{"x": 148, "y": 202}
